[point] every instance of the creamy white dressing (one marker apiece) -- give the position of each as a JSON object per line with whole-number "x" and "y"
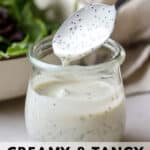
{"x": 75, "y": 106}
{"x": 70, "y": 109}
{"x": 83, "y": 32}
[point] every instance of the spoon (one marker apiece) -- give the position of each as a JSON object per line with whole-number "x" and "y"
{"x": 84, "y": 31}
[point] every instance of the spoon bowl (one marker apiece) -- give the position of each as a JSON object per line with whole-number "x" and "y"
{"x": 84, "y": 31}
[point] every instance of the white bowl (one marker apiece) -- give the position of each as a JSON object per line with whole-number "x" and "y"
{"x": 14, "y": 76}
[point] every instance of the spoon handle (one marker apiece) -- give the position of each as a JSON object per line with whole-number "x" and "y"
{"x": 119, "y": 3}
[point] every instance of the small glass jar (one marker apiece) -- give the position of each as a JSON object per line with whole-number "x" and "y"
{"x": 80, "y": 102}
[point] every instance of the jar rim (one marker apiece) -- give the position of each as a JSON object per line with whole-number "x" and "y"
{"x": 35, "y": 55}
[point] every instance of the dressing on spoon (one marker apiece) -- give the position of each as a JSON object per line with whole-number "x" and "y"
{"x": 84, "y": 31}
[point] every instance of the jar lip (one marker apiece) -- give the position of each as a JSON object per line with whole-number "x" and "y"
{"x": 119, "y": 55}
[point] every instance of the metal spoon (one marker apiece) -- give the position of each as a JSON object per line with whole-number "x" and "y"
{"x": 84, "y": 31}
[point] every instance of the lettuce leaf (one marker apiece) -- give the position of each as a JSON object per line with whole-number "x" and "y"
{"x": 3, "y": 55}
{"x": 18, "y": 48}
{"x": 35, "y": 27}
{"x": 30, "y": 22}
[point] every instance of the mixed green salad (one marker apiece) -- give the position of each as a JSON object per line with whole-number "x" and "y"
{"x": 21, "y": 25}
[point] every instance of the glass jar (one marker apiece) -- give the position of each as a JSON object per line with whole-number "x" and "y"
{"x": 80, "y": 102}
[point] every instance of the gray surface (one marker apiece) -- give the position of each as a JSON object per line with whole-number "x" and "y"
{"x": 12, "y": 126}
